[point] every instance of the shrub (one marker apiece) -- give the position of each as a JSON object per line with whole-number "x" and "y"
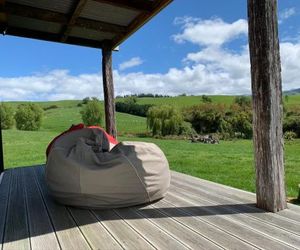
{"x": 206, "y": 99}
{"x": 7, "y": 116}
{"x": 186, "y": 129}
{"x": 131, "y": 100}
{"x": 205, "y": 118}
{"x": 290, "y": 135}
{"x": 133, "y": 108}
{"x": 92, "y": 114}
{"x": 50, "y": 107}
{"x": 85, "y": 100}
{"x": 164, "y": 120}
{"x": 29, "y": 117}
{"x": 292, "y": 123}
{"x": 243, "y": 101}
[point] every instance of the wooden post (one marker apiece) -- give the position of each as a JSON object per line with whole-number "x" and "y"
{"x": 108, "y": 88}
{"x": 1, "y": 150}
{"x": 267, "y": 104}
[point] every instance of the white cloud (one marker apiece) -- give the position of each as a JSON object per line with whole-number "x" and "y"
{"x": 212, "y": 69}
{"x": 286, "y": 13}
{"x": 209, "y": 32}
{"x": 135, "y": 61}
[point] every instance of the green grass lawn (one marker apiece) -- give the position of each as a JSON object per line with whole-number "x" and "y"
{"x": 186, "y": 101}
{"x": 230, "y": 162}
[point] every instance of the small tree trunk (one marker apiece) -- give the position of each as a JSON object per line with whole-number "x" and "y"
{"x": 108, "y": 88}
{"x": 267, "y": 104}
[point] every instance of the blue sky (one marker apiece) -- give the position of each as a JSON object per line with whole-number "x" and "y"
{"x": 193, "y": 47}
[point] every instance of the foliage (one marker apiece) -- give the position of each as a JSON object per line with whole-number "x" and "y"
{"x": 130, "y": 100}
{"x": 85, "y": 100}
{"x": 164, "y": 120}
{"x": 94, "y": 98}
{"x": 292, "y": 123}
{"x": 186, "y": 129}
{"x": 131, "y": 107}
{"x": 92, "y": 114}
{"x": 205, "y": 118}
{"x": 7, "y": 116}
{"x": 206, "y": 99}
{"x": 50, "y": 107}
{"x": 243, "y": 101}
{"x": 29, "y": 117}
{"x": 290, "y": 135}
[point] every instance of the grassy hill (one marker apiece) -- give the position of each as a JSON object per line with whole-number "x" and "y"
{"x": 230, "y": 162}
{"x": 186, "y": 101}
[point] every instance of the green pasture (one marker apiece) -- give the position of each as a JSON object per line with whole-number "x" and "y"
{"x": 230, "y": 162}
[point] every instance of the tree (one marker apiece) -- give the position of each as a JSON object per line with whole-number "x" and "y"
{"x": 29, "y": 117}
{"x": 243, "y": 101}
{"x": 164, "y": 120}
{"x": 7, "y": 116}
{"x": 92, "y": 114}
{"x": 206, "y": 99}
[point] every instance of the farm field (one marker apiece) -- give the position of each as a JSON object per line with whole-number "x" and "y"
{"x": 230, "y": 162}
{"x": 186, "y": 101}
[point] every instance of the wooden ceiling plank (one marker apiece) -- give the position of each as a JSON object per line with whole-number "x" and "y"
{"x": 75, "y": 14}
{"x": 21, "y": 32}
{"x": 55, "y": 17}
{"x": 137, "y": 5}
{"x": 140, "y": 21}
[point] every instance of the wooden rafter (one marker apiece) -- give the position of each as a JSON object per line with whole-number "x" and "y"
{"x": 75, "y": 14}
{"x": 55, "y": 17}
{"x": 138, "y": 22}
{"x": 21, "y": 32}
{"x": 3, "y": 18}
{"x": 138, "y": 5}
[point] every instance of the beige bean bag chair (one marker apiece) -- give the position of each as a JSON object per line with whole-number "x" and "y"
{"x": 81, "y": 171}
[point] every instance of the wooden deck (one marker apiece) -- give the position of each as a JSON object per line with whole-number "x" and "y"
{"x": 196, "y": 214}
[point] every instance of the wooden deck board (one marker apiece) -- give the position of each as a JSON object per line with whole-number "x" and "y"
{"x": 16, "y": 231}
{"x": 4, "y": 198}
{"x": 250, "y": 210}
{"x": 42, "y": 234}
{"x": 196, "y": 214}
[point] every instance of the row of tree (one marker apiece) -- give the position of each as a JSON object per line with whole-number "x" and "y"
{"x": 27, "y": 116}
{"x": 234, "y": 121}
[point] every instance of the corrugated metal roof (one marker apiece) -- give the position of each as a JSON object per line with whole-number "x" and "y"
{"x": 60, "y": 6}
{"x": 91, "y": 34}
{"x": 33, "y": 24}
{"x": 108, "y": 13}
{"x": 82, "y": 21}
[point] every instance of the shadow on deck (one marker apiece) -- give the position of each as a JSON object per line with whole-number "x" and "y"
{"x": 195, "y": 214}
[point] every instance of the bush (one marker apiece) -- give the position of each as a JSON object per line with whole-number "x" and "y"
{"x": 186, "y": 129}
{"x": 205, "y": 118}
{"x": 85, "y": 100}
{"x": 7, "y": 116}
{"x": 92, "y": 114}
{"x": 243, "y": 101}
{"x": 29, "y": 117}
{"x": 50, "y": 107}
{"x": 290, "y": 135}
{"x": 206, "y": 99}
{"x": 292, "y": 123}
{"x": 133, "y": 108}
{"x": 164, "y": 120}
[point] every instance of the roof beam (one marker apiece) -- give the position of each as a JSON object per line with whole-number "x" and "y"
{"x": 40, "y": 35}
{"x": 3, "y": 18}
{"x": 71, "y": 23}
{"x": 138, "y": 22}
{"x": 138, "y": 5}
{"x": 55, "y": 17}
